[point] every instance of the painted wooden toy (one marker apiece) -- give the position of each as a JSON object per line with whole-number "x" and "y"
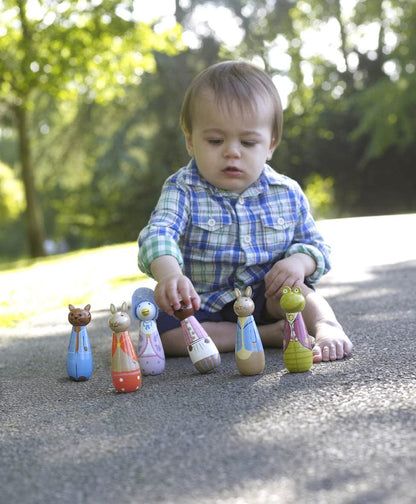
{"x": 201, "y": 349}
{"x": 150, "y": 350}
{"x": 249, "y": 353}
{"x": 79, "y": 357}
{"x": 125, "y": 367}
{"x": 297, "y": 349}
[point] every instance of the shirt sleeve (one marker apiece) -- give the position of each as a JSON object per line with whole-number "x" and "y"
{"x": 167, "y": 223}
{"x": 307, "y": 240}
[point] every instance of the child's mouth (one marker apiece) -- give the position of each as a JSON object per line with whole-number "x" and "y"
{"x": 232, "y": 170}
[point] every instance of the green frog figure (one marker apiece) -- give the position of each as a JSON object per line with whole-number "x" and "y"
{"x": 297, "y": 348}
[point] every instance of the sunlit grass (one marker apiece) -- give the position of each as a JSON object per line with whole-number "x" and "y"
{"x": 31, "y": 287}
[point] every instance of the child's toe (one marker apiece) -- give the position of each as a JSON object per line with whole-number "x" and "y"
{"x": 317, "y": 354}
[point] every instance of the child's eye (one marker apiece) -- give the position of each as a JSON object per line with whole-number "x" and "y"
{"x": 215, "y": 141}
{"x": 248, "y": 143}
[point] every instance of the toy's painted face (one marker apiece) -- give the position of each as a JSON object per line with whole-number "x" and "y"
{"x": 146, "y": 311}
{"x": 79, "y": 316}
{"x": 292, "y": 300}
{"x": 243, "y": 307}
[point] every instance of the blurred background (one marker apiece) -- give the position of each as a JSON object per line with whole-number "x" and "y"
{"x": 90, "y": 93}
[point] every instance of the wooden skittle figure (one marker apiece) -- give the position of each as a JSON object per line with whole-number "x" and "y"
{"x": 297, "y": 349}
{"x": 249, "y": 353}
{"x": 150, "y": 350}
{"x": 201, "y": 349}
{"x": 79, "y": 356}
{"x": 125, "y": 368}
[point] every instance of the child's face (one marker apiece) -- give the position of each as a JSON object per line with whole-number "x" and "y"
{"x": 230, "y": 147}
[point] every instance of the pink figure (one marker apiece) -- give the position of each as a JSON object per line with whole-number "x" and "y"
{"x": 201, "y": 349}
{"x": 150, "y": 350}
{"x": 125, "y": 368}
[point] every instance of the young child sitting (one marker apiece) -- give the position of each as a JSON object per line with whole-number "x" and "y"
{"x": 228, "y": 220}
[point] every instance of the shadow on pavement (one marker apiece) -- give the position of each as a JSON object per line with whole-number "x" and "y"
{"x": 341, "y": 433}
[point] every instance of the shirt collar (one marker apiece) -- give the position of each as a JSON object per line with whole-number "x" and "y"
{"x": 268, "y": 177}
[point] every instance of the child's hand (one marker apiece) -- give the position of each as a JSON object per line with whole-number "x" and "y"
{"x": 171, "y": 290}
{"x": 290, "y": 271}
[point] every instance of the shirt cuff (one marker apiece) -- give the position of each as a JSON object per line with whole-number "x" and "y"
{"x": 317, "y": 256}
{"x": 150, "y": 250}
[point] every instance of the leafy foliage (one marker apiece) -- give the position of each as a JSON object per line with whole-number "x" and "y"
{"x": 11, "y": 195}
{"x": 102, "y": 93}
{"x": 75, "y": 48}
{"x": 71, "y": 54}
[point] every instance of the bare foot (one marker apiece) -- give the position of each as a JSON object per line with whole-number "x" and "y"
{"x": 331, "y": 342}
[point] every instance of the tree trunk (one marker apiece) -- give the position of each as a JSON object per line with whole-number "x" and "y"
{"x": 34, "y": 216}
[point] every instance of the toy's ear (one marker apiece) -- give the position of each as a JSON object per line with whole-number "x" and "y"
{"x": 87, "y": 307}
{"x": 237, "y": 293}
{"x": 124, "y": 307}
{"x": 71, "y": 307}
{"x": 112, "y": 308}
{"x": 248, "y": 292}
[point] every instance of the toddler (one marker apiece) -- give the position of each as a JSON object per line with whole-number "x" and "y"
{"x": 228, "y": 220}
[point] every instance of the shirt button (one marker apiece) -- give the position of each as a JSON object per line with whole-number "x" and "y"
{"x": 241, "y": 201}
{"x": 211, "y": 222}
{"x": 247, "y": 239}
{"x": 280, "y": 221}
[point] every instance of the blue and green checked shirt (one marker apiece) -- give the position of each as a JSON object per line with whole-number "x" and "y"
{"x": 224, "y": 240}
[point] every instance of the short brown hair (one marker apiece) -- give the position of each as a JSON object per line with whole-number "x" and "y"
{"x": 234, "y": 82}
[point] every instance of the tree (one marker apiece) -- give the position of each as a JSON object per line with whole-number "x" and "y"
{"x": 352, "y": 112}
{"x": 76, "y": 50}
{"x": 103, "y": 120}
{"x": 11, "y": 194}
{"x": 389, "y": 104}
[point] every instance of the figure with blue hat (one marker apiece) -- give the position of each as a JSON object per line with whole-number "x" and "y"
{"x": 150, "y": 350}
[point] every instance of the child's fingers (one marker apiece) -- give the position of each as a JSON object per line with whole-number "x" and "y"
{"x": 274, "y": 287}
{"x": 272, "y": 290}
{"x": 166, "y": 297}
{"x": 195, "y": 299}
{"x": 196, "y": 303}
{"x": 188, "y": 293}
{"x": 175, "y": 292}
{"x": 164, "y": 303}
{"x": 174, "y": 301}
{"x": 183, "y": 291}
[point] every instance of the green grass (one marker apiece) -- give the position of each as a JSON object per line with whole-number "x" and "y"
{"x": 29, "y": 287}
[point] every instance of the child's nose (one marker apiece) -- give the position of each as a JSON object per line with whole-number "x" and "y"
{"x": 232, "y": 150}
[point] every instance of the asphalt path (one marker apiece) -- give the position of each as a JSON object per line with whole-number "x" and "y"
{"x": 342, "y": 433}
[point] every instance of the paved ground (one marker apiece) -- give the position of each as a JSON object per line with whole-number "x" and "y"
{"x": 343, "y": 433}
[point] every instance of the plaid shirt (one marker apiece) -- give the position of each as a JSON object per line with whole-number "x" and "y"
{"x": 224, "y": 240}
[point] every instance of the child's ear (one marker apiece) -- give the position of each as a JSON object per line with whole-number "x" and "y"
{"x": 272, "y": 147}
{"x": 189, "y": 144}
